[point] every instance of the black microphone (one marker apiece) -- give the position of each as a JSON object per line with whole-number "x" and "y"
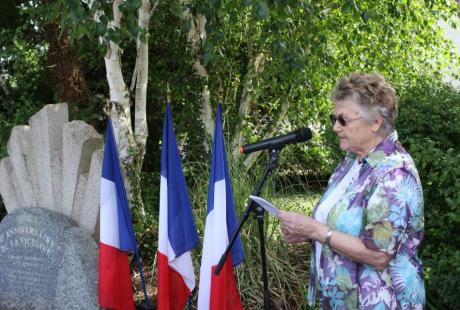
{"x": 299, "y": 135}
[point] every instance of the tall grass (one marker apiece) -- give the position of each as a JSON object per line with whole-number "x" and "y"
{"x": 287, "y": 265}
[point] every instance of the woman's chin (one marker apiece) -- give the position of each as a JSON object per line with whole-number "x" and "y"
{"x": 344, "y": 146}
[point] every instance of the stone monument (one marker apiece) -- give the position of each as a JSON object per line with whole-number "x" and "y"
{"x": 50, "y": 186}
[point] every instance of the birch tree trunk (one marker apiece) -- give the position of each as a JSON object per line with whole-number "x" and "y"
{"x": 140, "y": 78}
{"x": 195, "y": 36}
{"x": 4, "y": 87}
{"x": 139, "y": 86}
{"x": 119, "y": 108}
{"x": 247, "y": 100}
{"x": 131, "y": 145}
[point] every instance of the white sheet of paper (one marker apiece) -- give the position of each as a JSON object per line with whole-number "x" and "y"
{"x": 265, "y": 204}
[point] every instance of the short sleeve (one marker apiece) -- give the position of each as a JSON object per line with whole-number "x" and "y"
{"x": 395, "y": 196}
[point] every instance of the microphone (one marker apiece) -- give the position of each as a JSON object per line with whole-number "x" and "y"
{"x": 299, "y": 135}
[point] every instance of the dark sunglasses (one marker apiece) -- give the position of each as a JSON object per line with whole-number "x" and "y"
{"x": 343, "y": 122}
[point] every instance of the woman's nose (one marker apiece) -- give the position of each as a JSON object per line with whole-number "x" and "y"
{"x": 336, "y": 126}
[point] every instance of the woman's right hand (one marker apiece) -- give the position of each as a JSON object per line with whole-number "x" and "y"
{"x": 292, "y": 238}
{"x": 288, "y": 233}
{"x": 297, "y": 227}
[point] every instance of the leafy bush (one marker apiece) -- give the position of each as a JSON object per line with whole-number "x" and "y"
{"x": 429, "y": 128}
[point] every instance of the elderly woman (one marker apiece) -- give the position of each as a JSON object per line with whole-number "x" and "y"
{"x": 368, "y": 226}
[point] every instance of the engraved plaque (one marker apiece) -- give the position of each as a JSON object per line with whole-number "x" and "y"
{"x": 30, "y": 256}
{"x": 34, "y": 249}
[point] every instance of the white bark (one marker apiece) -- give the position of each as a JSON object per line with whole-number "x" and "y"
{"x": 119, "y": 104}
{"x": 195, "y": 36}
{"x": 247, "y": 100}
{"x": 139, "y": 86}
{"x": 128, "y": 143}
{"x": 119, "y": 94}
{"x": 3, "y": 86}
{"x": 140, "y": 79}
{"x": 206, "y": 111}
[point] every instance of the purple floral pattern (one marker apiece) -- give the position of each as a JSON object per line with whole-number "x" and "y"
{"x": 383, "y": 207}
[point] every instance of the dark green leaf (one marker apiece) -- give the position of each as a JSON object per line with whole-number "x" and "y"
{"x": 177, "y": 9}
{"x": 346, "y": 7}
{"x": 101, "y": 29}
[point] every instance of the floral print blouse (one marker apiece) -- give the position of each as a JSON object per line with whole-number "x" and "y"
{"x": 383, "y": 207}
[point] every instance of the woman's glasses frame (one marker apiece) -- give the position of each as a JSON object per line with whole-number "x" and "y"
{"x": 343, "y": 122}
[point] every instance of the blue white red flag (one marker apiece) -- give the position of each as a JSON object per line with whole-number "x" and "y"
{"x": 116, "y": 234}
{"x": 219, "y": 292}
{"x": 177, "y": 234}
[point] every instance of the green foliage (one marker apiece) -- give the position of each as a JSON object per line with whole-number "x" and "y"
{"x": 82, "y": 23}
{"x": 428, "y": 127}
{"x": 171, "y": 64}
{"x": 24, "y": 67}
{"x": 146, "y": 226}
{"x": 24, "y": 70}
{"x": 307, "y": 47}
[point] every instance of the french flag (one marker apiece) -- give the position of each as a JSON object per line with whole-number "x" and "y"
{"x": 177, "y": 234}
{"x": 116, "y": 234}
{"x": 219, "y": 292}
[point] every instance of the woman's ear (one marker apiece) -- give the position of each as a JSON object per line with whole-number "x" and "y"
{"x": 377, "y": 124}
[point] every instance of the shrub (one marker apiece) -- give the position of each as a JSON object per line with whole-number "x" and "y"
{"x": 429, "y": 128}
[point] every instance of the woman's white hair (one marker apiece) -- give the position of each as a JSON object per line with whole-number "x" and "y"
{"x": 375, "y": 96}
{"x": 370, "y": 113}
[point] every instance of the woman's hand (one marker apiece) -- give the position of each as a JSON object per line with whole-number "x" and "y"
{"x": 297, "y": 227}
{"x": 291, "y": 237}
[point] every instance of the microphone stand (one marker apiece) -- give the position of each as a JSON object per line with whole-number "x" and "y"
{"x": 259, "y": 214}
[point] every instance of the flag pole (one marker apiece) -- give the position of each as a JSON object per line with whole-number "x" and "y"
{"x": 189, "y": 302}
{"x": 139, "y": 266}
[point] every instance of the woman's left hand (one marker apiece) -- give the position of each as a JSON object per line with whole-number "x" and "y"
{"x": 297, "y": 227}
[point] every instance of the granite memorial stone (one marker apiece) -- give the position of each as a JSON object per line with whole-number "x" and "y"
{"x": 50, "y": 186}
{"x": 46, "y": 262}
